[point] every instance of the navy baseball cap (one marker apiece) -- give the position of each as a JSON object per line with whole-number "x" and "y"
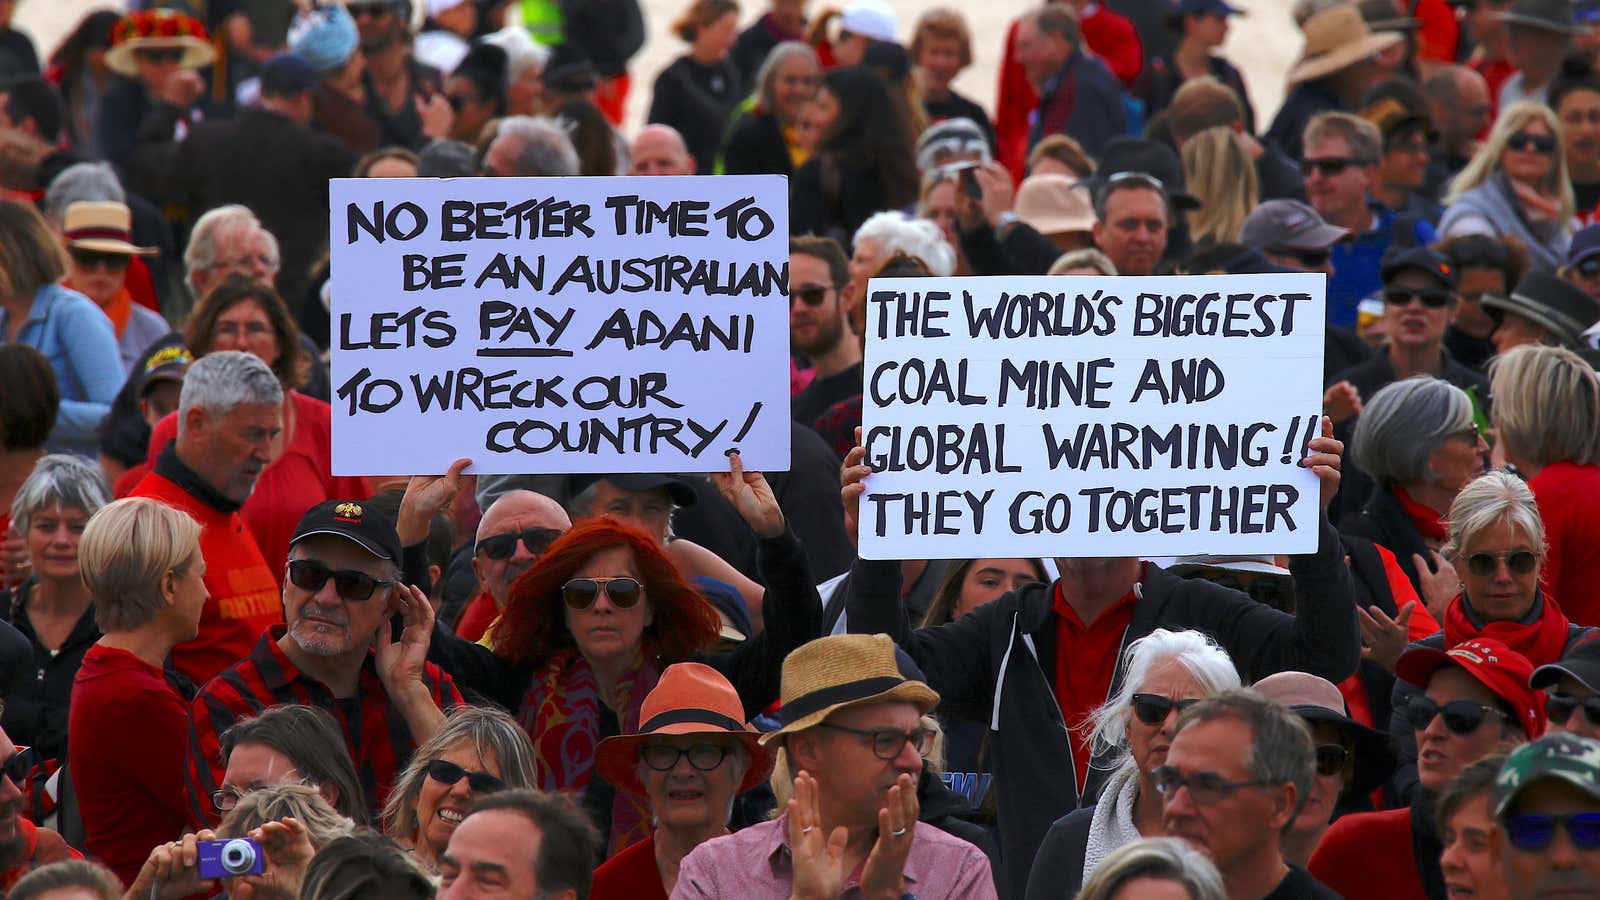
{"x": 1585, "y": 243}
{"x": 1422, "y": 259}
{"x": 681, "y": 491}
{"x": 1197, "y": 7}
{"x": 287, "y": 74}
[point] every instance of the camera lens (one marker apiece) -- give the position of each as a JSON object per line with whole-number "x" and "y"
{"x": 237, "y": 856}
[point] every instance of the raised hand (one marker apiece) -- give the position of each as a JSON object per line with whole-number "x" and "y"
{"x": 287, "y": 845}
{"x": 172, "y": 870}
{"x": 425, "y": 496}
{"x": 818, "y": 858}
{"x": 401, "y": 663}
{"x": 1385, "y": 638}
{"x": 751, "y": 496}
{"x": 1440, "y": 583}
{"x": 852, "y": 484}
{"x": 1324, "y": 460}
{"x": 883, "y": 877}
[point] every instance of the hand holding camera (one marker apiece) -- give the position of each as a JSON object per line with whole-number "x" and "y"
{"x": 172, "y": 870}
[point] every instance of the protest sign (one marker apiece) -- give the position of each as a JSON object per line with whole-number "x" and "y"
{"x": 1091, "y": 416}
{"x": 558, "y": 325}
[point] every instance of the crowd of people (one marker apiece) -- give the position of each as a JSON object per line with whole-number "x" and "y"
{"x": 634, "y": 686}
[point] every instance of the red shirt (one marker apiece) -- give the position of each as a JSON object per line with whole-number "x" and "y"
{"x": 477, "y": 617}
{"x": 40, "y": 847}
{"x": 1370, "y": 855}
{"x": 630, "y": 875}
{"x": 1086, "y": 658}
{"x": 1567, "y": 494}
{"x": 129, "y": 732}
{"x": 1439, "y": 34}
{"x": 1114, "y": 39}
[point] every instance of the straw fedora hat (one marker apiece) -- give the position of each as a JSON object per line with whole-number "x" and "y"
{"x": 1335, "y": 38}
{"x": 841, "y": 671}
{"x": 157, "y": 29}
{"x": 690, "y": 698}
{"x": 102, "y": 225}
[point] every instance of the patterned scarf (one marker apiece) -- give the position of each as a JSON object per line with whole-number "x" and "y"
{"x": 561, "y": 713}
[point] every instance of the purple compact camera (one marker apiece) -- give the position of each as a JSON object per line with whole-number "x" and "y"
{"x": 230, "y": 858}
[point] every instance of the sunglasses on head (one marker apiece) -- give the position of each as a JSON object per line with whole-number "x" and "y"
{"x": 1153, "y": 709}
{"x": 1432, "y": 298}
{"x": 1560, "y": 707}
{"x": 702, "y": 757}
{"x": 1460, "y": 716}
{"x": 581, "y": 593}
{"x": 1542, "y": 144}
{"x": 96, "y": 259}
{"x": 1331, "y": 759}
{"x": 446, "y": 772}
{"x": 810, "y": 295}
{"x": 504, "y": 546}
{"x": 159, "y": 54}
{"x": 1535, "y": 832}
{"x": 1485, "y": 565}
{"x": 311, "y": 575}
{"x": 1329, "y": 166}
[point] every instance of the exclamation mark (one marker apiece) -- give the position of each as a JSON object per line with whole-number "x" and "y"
{"x": 1288, "y": 441}
{"x": 1313, "y": 428}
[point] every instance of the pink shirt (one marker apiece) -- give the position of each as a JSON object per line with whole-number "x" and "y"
{"x": 753, "y": 864}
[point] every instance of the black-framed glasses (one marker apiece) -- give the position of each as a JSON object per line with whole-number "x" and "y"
{"x": 810, "y": 294}
{"x": 1432, "y": 298}
{"x": 1485, "y": 564}
{"x": 1542, "y": 144}
{"x": 447, "y": 772}
{"x": 886, "y": 742}
{"x": 1535, "y": 832}
{"x": 1204, "y": 787}
{"x": 702, "y": 757}
{"x": 581, "y": 593}
{"x": 312, "y": 574}
{"x": 98, "y": 259}
{"x": 371, "y": 10}
{"x": 1329, "y": 166}
{"x": 1460, "y": 716}
{"x": 1153, "y": 709}
{"x": 1331, "y": 758}
{"x": 1560, "y": 707}
{"x": 457, "y": 101}
{"x": 504, "y": 546}
{"x": 159, "y": 54}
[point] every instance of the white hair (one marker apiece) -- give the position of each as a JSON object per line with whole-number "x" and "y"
{"x": 220, "y": 381}
{"x": 201, "y": 253}
{"x": 64, "y": 480}
{"x": 1194, "y": 651}
{"x": 546, "y": 150}
{"x": 522, "y": 51}
{"x": 896, "y": 232}
{"x": 83, "y": 182}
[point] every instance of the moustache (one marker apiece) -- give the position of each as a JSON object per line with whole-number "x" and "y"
{"x": 329, "y": 613}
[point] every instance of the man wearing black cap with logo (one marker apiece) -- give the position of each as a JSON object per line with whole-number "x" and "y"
{"x": 1572, "y": 690}
{"x": 1542, "y": 309}
{"x": 338, "y": 652}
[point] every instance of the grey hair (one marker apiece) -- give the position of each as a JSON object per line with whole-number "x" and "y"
{"x": 68, "y": 873}
{"x": 1173, "y": 859}
{"x": 78, "y": 183}
{"x": 201, "y": 254}
{"x": 1493, "y": 497}
{"x": 1550, "y": 409}
{"x": 1086, "y": 258}
{"x": 60, "y": 478}
{"x": 269, "y": 804}
{"x": 1404, "y": 423}
{"x": 1281, "y": 751}
{"x": 546, "y": 149}
{"x": 491, "y": 732}
{"x": 1198, "y": 654}
{"x": 767, "y": 75}
{"x": 921, "y": 238}
{"x": 522, "y": 51}
{"x": 218, "y": 382}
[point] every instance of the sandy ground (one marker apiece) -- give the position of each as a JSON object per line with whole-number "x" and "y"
{"x": 1263, "y": 43}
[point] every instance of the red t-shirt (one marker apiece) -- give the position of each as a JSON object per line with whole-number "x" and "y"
{"x": 630, "y": 875}
{"x": 1567, "y": 494}
{"x": 1370, "y": 855}
{"x": 1440, "y": 32}
{"x": 477, "y": 617}
{"x": 129, "y": 731}
{"x": 40, "y": 847}
{"x": 1086, "y": 658}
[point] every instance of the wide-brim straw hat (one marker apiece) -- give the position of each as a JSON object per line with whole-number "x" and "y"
{"x": 838, "y": 672}
{"x": 155, "y": 29}
{"x": 102, "y": 225}
{"x": 690, "y": 698}
{"x": 1336, "y": 38}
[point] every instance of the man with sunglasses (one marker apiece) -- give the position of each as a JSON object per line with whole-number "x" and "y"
{"x": 23, "y": 845}
{"x": 404, "y": 98}
{"x": 512, "y": 534}
{"x": 1547, "y": 809}
{"x": 1571, "y": 700}
{"x": 819, "y": 326}
{"x": 338, "y": 652}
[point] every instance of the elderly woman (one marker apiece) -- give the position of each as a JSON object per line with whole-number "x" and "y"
{"x": 1550, "y": 430}
{"x": 130, "y": 728}
{"x": 477, "y": 751}
{"x": 51, "y": 608}
{"x": 1177, "y": 869}
{"x": 691, "y": 758}
{"x": 292, "y": 744}
{"x": 1516, "y": 186}
{"x": 1167, "y": 671}
{"x": 763, "y": 139}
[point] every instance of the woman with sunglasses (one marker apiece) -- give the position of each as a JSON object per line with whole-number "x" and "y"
{"x": 97, "y": 238}
{"x": 1167, "y": 671}
{"x": 1549, "y": 429}
{"x": 476, "y": 752}
{"x": 1517, "y": 186}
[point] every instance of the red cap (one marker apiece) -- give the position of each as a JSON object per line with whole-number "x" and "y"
{"x": 1496, "y": 666}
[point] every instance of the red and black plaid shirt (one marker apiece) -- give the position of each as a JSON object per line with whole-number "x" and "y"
{"x": 375, "y": 731}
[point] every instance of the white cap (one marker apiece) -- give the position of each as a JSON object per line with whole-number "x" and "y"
{"x": 871, "y": 18}
{"x": 438, "y": 6}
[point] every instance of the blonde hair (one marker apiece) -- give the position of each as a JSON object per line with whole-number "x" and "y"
{"x": 490, "y": 732}
{"x": 1219, "y": 172}
{"x": 269, "y": 804}
{"x": 1085, "y": 258}
{"x": 1486, "y": 161}
{"x": 1491, "y": 498}
{"x": 1546, "y": 405}
{"x": 126, "y": 549}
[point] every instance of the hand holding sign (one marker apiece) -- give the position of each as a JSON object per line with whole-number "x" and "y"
{"x": 751, "y": 496}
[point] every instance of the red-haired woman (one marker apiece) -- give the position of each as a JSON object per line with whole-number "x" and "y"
{"x": 587, "y": 631}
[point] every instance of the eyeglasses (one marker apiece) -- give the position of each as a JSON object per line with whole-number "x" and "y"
{"x": 887, "y": 742}
{"x": 1460, "y": 716}
{"x": 1329, "y": 166}
{"x": 504, "y": 546}
{"x": 1432, "y": 298}
{"x": 311, "y": 575}
{"x": 1309, "y": 259}
{"x": 370, "y": 10}
{"x": 1468, "y": 432}
{"x": 97, "y": 259}
{"x": 1153, "y": 709}
{"x": 159, "y": 54}
{"x": 1542, "y": 144}
{"x": 810, "y": 295}
{"x": 1205, "y": 788}
{"x": 1485, "y": 565}
{"x": 581, "y": 593}
{"x": 446, "y": 772}
{"x": 1331, "y": 759}
{"x": 1535, "y": 832}
{"x": 703, "y": 757}
{"x": 246, "y": 263}
{"x": 1560, "y": 707}
{"x": 226, "y": 799}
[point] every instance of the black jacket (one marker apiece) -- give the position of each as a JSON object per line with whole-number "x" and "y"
{"x": 698, "y": 100}
{"x": 997, "y": 665}
{"x": 1058, "y": 868}
{"x": 755, "y": 146}
{"x": 1084, "y": 102}
{"x": 36, "y": 712}
{"x": 831, "y": 197}
{"x": 1382, "y": 520}
{"x": 1304, "y": 102}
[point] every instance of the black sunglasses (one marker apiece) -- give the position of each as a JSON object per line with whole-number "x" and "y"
{"x": 1330, "y": 165}
{"x": 19, "y": 765}
{"x": 311, "y": 575}
{"x": 372, "y": 10}
{"x": 1534, "y": 832}
{"x": 581, "y": 593}
{"x": 1560, "y": 707}
{"x": 1589, "y": 268}
{"x": 1520, "y": 562}
{"x": 446, "y": 772}
{"x": 1460, "y": 716}
{"x": 159, "y": 54}
{"x": 1432, "y": 298}
{"x": 96, "y": 259}
{"x": 1331, "y": 759}
{"x": 1310, "y": 259}
{"x": 504, "y": 546}
{"x": 1153, "y": 709}
{"x": 703, "y": 757}
{"x": 1543, "y": 144}
{"x": 810, "y": 295}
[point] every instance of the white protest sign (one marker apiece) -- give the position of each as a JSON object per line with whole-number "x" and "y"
{"x": 558, "y": 325}
{"x": 1091, "y": 416}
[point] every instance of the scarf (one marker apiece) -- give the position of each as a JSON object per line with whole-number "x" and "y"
{"x": 1541, "y": 636}
{"x": 1112, "y": 825}
{"x": 561, "y": 714}
{"x": 1426, "y": 519}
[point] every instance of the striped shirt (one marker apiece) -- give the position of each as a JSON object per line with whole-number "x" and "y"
{"x": 380, "y": 742}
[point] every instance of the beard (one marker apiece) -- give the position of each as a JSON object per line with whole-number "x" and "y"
{"x": 829, "y": 332}
{"x": 322, "y": 638}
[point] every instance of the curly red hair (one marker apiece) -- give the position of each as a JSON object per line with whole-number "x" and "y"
{"x": 534, "y": 626}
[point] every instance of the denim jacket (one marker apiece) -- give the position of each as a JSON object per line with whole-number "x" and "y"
{"x": 78, "y": 339}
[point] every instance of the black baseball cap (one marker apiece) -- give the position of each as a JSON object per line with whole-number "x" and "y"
{"x": 1423, "y": 259}
{"x": 353, "y": 520}
{"x": 1581, "y": 662}
{"x": 681, "y": 491}
{"x": 286, "y": 75}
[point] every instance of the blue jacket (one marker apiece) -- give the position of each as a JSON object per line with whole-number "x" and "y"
{"x": 1356, "y": 263}
{"x": 81, "y": 345}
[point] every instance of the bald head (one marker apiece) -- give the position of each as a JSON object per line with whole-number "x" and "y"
{"x": 660, "y": 150}
{"x": 512, "y": 516}
{"x": 1458, "y": 101}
